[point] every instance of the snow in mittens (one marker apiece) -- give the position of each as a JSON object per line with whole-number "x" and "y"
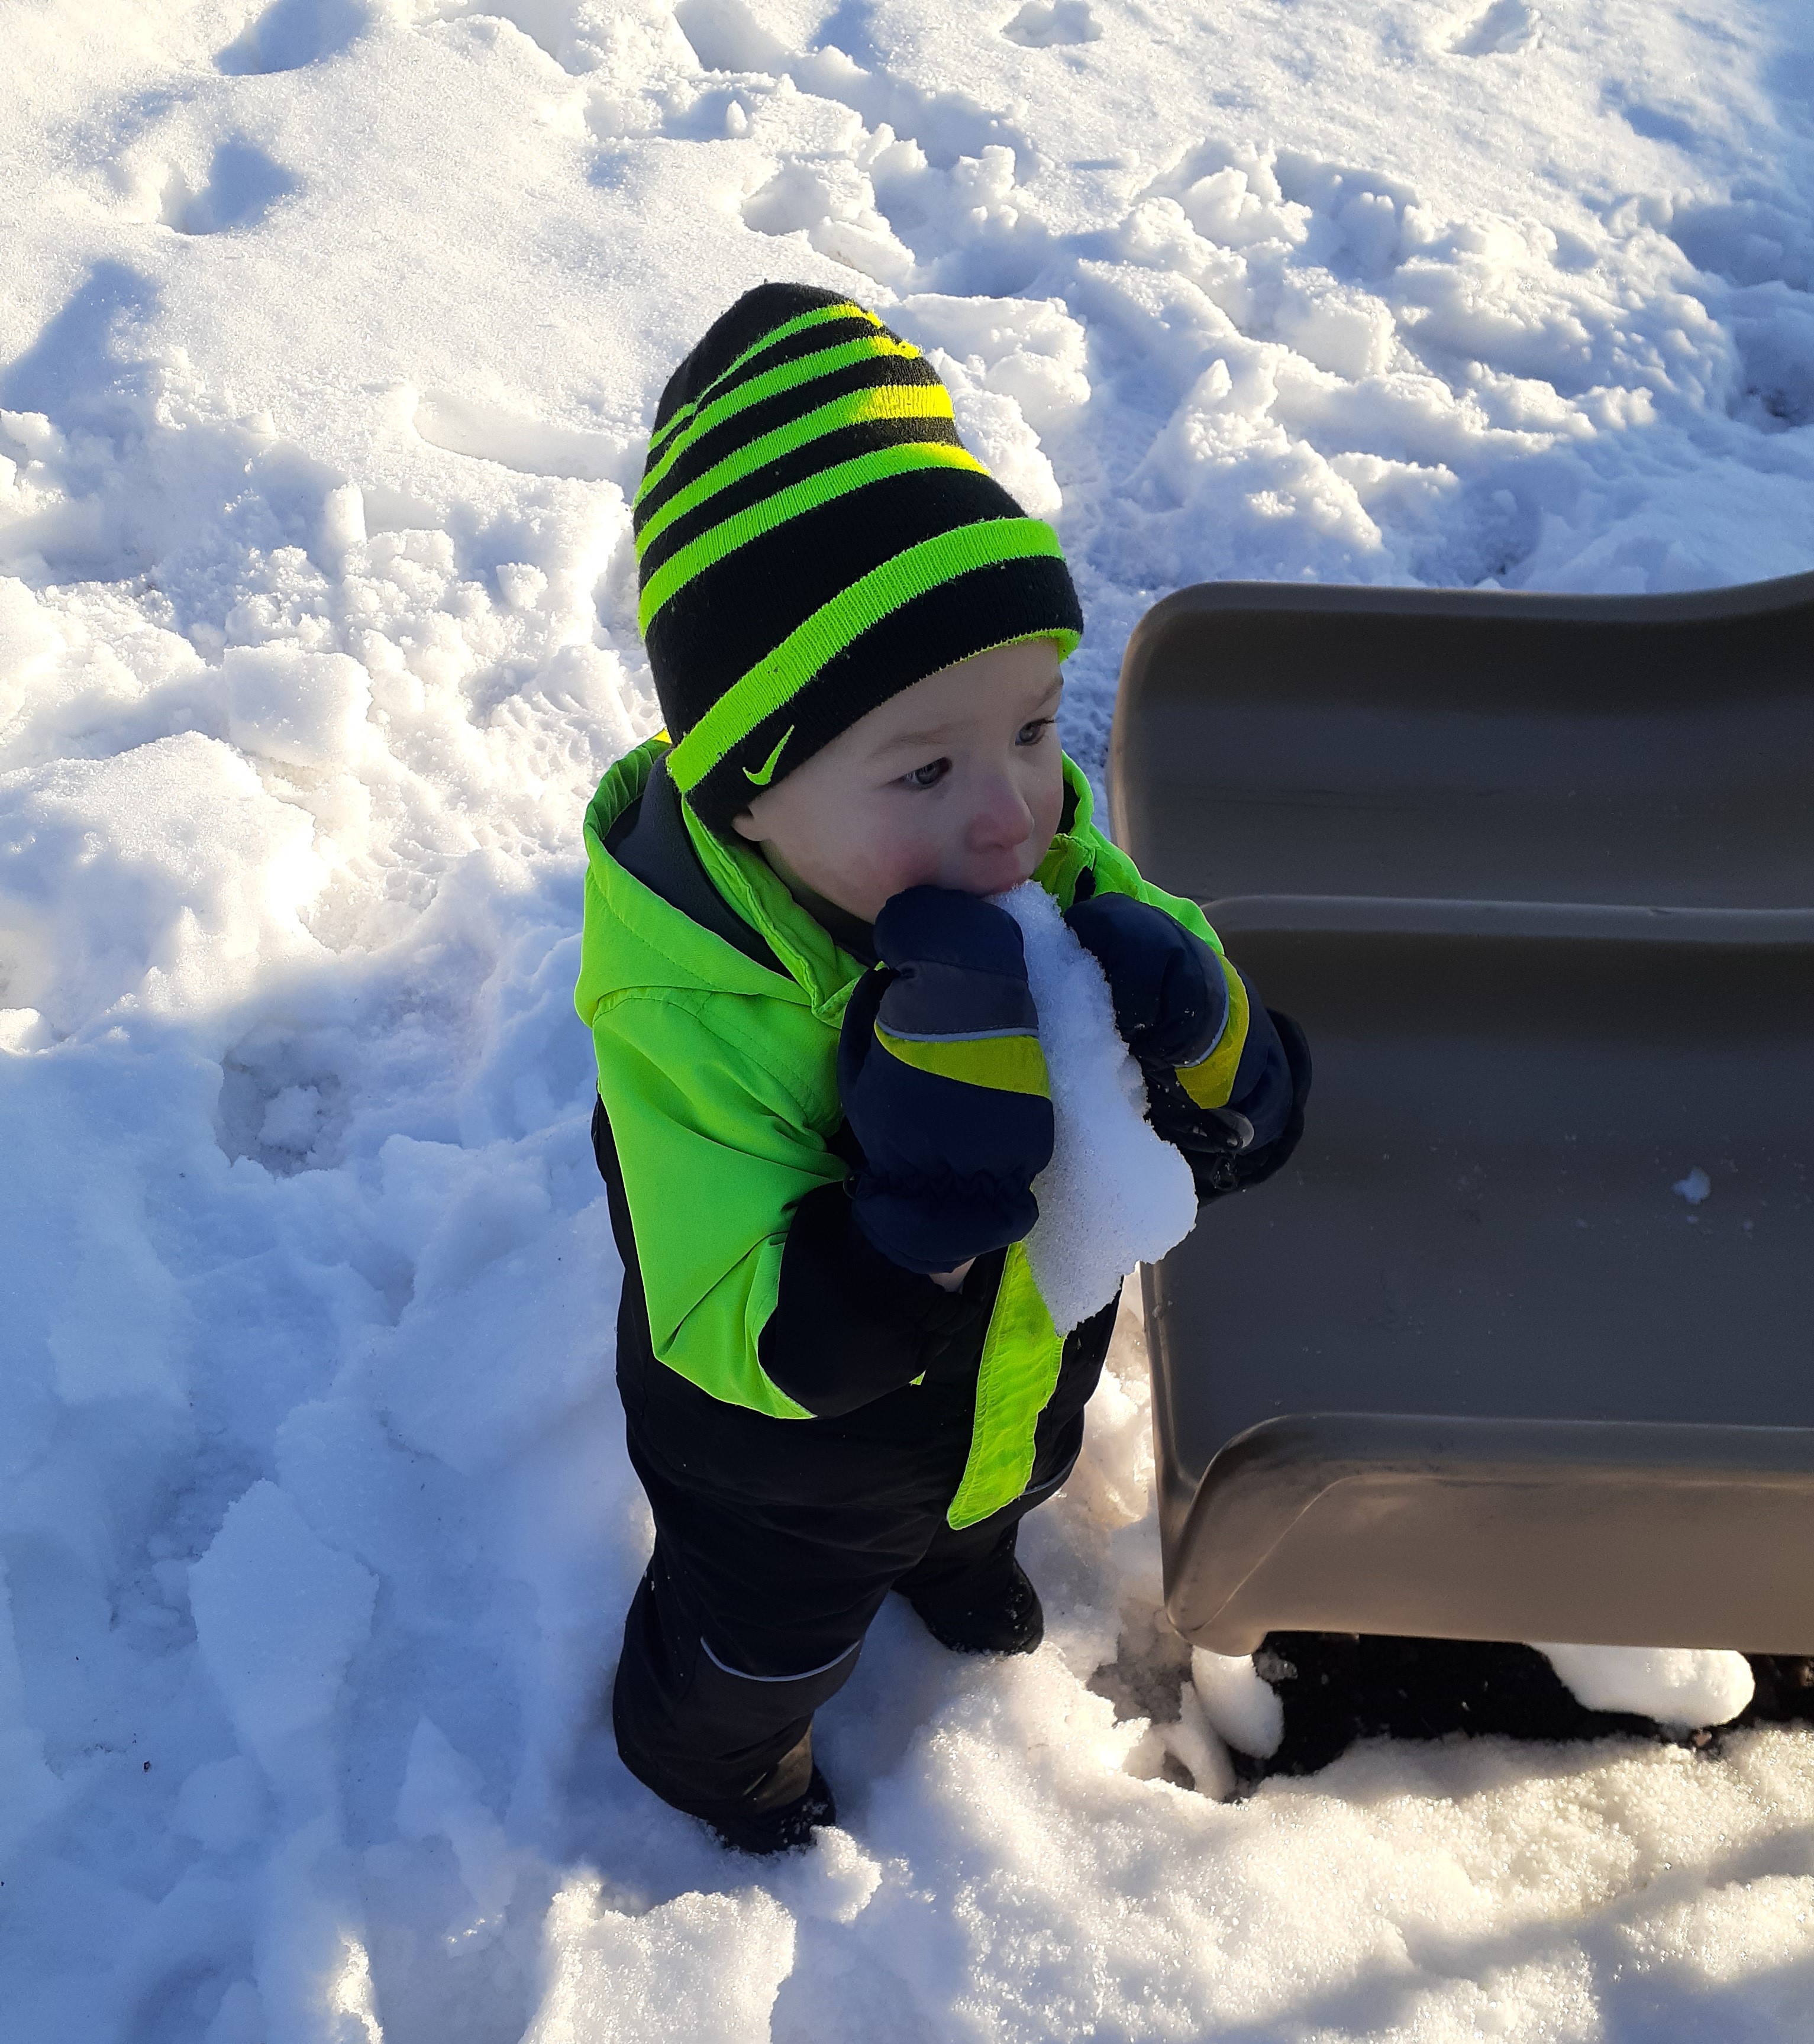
{"x": 332, "y": 333}
{"x": 1113, "y": 1194}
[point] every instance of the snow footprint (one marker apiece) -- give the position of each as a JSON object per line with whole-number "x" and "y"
{"x": 726, "y": 36}
{"x": 279, "y": 1106}
{"x": 575, "y": 34}
{"x": 291, "y": 33}
{"x": 1046, "y": 24}
{"x": 515, "y": 440}
{"x": 243, "y": 184}
{"x": 1506, "y": 26}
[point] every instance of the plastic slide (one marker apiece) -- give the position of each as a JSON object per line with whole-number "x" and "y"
{"x": 1521, "y": 1345}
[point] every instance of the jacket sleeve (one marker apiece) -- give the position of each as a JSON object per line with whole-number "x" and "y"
{"x": 850, "y": 1325}
{"x": 721, "y": 1164}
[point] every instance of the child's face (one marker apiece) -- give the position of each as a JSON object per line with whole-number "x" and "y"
{"x": 954, "y": 783}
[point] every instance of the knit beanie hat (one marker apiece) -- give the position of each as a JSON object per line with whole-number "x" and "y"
{"x": 812, "y": 538}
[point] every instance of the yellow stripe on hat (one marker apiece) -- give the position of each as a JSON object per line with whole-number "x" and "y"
{"x": 837, "y": 623}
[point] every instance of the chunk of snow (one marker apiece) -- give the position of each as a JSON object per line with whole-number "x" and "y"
{"x": 1339, "y": 328}
{"x": 278, "y": 1614}
{"x": 296, "y": 708}
{"x": 162, "y": 877}
{"x": 1238, "y": 1701}
{"x": 1197, "y": 1741}
{"x": 1695, "y": 1187}
{"x": 699, "y": 1970}
{"x": 441, "y": 1797}
{"x": 1675, "y": 1685}
{"x": 1114, "y": 1195}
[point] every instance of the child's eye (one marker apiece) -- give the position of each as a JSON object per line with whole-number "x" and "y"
{"x": 1031, "y": 734}
{"x": 928, "y": 776}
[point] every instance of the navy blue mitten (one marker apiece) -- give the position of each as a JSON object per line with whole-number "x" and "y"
{"x": 1179, "y": 1009}
{"x": 1171, "y": 998}
{"x": 944, "y": 1084}
{"x": 1221, "y": 1086}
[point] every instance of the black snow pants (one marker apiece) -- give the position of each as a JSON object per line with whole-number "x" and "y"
{"x": 777, "y": 1542}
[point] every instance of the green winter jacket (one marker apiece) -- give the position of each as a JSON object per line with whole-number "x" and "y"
{"x": 718, "y": 1076}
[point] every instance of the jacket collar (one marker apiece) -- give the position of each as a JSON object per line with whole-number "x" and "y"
{"x": 816, "y": 972}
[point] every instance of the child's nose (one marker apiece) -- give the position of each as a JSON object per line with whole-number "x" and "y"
{"x": 1002, "y": 819}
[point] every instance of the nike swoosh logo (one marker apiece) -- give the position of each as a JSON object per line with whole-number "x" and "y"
{"x": 768, "y": 766}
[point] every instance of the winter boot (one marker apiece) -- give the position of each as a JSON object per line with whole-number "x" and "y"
{"x": 781, "y": 1829}
{"x": 1011, "y": 1623}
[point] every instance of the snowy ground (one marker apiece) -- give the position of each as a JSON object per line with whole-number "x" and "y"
{"x": 328, "y": 337}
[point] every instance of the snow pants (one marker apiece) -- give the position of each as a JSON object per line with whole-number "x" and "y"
{"x": 777, "y": 1542}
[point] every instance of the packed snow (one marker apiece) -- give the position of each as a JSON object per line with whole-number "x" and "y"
{"x": 1113, "y": 1196}
{"x": 1686, "y": 1687}
{"x": 332, "y": 333}
{"x": 1243, "y": 1709}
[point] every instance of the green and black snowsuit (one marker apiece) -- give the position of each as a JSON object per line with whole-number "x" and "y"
{"x": 813, "y": 1425}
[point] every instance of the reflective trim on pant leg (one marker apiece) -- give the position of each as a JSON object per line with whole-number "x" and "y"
{"x": 1022, "y": 1354}
{"x": 706, "y": 1738}
{"x": 805, "y": 1675}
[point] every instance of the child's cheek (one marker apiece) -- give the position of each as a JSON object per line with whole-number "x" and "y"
{"x": 864, "y": 871}
{"x": 915, "y": 858}
{"x": 912, "y": 866}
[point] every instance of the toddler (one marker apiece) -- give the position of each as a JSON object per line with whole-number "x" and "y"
{"x": 822, "y": 1101}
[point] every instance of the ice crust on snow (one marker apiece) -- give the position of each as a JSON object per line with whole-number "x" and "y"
{"x": 332, "y": 334}
{"x": 1114, "y": 1195}
{"x": 1686, "y": 1687}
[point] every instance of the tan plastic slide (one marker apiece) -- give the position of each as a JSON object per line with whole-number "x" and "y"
{"x": 1520, "y": 1345}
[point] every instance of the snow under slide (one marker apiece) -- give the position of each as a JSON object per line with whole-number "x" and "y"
{"x": 1516, "y": 1347}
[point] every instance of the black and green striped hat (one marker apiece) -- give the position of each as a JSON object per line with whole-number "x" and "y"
{"x": 812, "y": 538}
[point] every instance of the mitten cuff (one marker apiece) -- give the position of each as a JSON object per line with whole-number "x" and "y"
{"x": 926, "y": 1232}
{"x": 1209, "y": 1080}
